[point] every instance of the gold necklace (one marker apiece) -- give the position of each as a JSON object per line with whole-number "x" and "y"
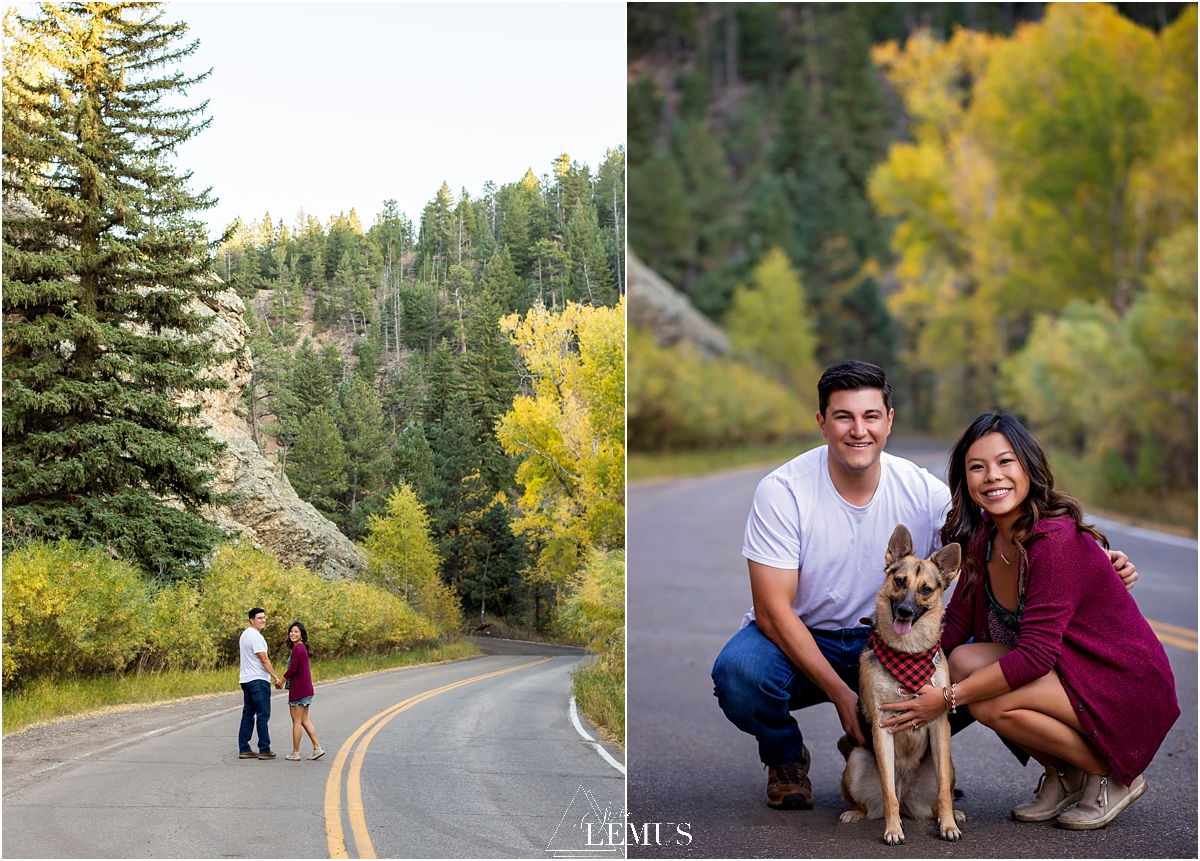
{"x": 1001, "y": 552}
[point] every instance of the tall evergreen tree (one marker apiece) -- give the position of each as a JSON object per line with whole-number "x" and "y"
{"x": 412, "y": 461}
{"x": 318, "y": 463}
{"x": 311, "y": 384}
{"x": 103, "y": 264}
{"x": 591, "y": 278}
{"x": 364, "y": 439}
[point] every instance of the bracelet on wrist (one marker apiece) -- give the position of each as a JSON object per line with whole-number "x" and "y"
{"x": 948, "y": 694}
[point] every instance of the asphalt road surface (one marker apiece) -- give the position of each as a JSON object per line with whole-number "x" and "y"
{"x": 472, "y": 759}
{"x": 687, "y": 591}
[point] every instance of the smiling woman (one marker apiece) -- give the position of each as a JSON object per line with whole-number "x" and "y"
{"x": 1042, "y": 670}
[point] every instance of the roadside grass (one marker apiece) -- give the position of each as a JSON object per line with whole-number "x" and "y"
{"x": 1167, "y": 511}
{"x": 600, "y": 695}
{"x": 642, "y": 465}
{"x": 45, "y": 700}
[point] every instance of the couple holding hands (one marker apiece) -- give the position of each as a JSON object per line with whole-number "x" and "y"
{"x": 1045, "y": 644}
{"x": 255, "y": 677}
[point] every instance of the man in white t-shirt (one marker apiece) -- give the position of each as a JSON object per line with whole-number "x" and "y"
{"x": 256, "y": 677}
{"x": 828, "y": 513}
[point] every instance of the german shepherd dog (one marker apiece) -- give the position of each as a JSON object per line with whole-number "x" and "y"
{"x": 911, "y": 770}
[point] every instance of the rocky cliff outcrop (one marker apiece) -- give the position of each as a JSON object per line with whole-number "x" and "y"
{"x": 267, "y": 510}
{"x": 656, "y": 305}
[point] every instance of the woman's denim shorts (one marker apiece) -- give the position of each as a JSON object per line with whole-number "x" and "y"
{"x": 302, "y": 702}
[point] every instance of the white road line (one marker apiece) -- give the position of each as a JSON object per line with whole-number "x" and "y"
{"x": 608, "y": 757}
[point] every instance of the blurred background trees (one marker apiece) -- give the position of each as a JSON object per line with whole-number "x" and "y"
{"x": 996, "y": 202}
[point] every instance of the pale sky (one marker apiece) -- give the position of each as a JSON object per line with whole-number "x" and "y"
{"x": 329, "y": 106}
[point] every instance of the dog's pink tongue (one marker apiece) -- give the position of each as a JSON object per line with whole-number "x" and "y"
{"x": 901, "y": 626}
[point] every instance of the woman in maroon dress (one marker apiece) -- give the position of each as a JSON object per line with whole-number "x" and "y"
{"x": 1063, "y": 663}
{"x": 300, "y": 692}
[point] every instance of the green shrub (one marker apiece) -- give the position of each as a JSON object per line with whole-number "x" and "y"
{"x": 341, "y": 616}
{"x": 70, "y": 609}
{"x": 595, "y": 609}
{"x": 595, "y": 612}
{"x": 179, "y": 637}
{"x": 678, "y": 399}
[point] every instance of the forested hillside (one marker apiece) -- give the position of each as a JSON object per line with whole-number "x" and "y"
{"x": 380, "y": 360}
{"x": 973, "y": 195}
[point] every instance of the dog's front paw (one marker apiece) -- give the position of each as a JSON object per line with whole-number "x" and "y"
{"x": 893, "y": 836}
{"x": 951, "y": 832}
{"x": 853, "y": 815}
{"x": 959, "y": 816}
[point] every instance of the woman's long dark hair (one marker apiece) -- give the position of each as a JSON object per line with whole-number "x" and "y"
{"x": 965, "y": 523}
{"x": 303, "y": 637}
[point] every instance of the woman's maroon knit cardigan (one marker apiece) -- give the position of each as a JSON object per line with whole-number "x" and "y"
{"x": 299, "y": 672}
{"x": 1081, "y": 622}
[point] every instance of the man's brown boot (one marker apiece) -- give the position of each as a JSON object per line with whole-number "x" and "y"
{"x": 788, "y": 786}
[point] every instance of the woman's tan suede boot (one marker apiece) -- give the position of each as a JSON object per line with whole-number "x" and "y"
{"x": 1104, "y": 796}
{"x": 1056, "y": 791}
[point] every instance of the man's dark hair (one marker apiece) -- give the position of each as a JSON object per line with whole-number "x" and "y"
{"x": 853, "y": 377}
{"x": 255, "y": 612}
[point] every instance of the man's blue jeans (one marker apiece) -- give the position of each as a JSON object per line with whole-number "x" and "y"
{"x": 256, "y": 703}
{"x": 758, "y": 687}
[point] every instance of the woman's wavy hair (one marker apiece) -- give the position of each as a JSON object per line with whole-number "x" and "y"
{"x": 965, "y": 523}
{"x": 303, "y": 637}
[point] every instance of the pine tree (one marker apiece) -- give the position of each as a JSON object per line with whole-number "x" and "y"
{"x": 311, "y": 384}
{"x": 490, "y": 370}
{"x": 591, "y": 277}
{"x": 318, "y": 462}
{"x": 610, "y": 210}
{"x": 491, "y": 556}
{"x": 438, "y": 230}
{"x": 364, "y": 439}
{"x": 412, "y": 461}
{"x": 103, "y": 264}
{"x": 452, "y": 431}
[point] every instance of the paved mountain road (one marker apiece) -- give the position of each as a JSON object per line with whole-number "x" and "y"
{"x": 483, "y": 761}
{"x": 687, "y": 591}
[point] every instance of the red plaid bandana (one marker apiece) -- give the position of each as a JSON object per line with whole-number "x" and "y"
{"x": 911, "y": 669}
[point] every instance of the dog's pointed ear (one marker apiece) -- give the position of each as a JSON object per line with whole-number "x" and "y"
{"x": 899, "y": 545}
{"x": 948, "y": 560}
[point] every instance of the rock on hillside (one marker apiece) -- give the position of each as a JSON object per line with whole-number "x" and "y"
{"x": 656, "y": 305}
{"x": 267, "y": 510}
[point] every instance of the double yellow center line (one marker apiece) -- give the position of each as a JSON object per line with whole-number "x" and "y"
{"x": 1173, "y": 635}
{"x": 354, "y": 805}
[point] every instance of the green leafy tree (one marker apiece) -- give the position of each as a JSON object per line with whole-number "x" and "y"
{"x": 569, "y": 434}
{"x": 400, "y": 549}
{"x": 770, "y": 324}
{"x": 103, "y": 267}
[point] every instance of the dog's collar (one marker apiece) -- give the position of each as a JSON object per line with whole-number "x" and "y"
{"x": 911, "y": 669}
